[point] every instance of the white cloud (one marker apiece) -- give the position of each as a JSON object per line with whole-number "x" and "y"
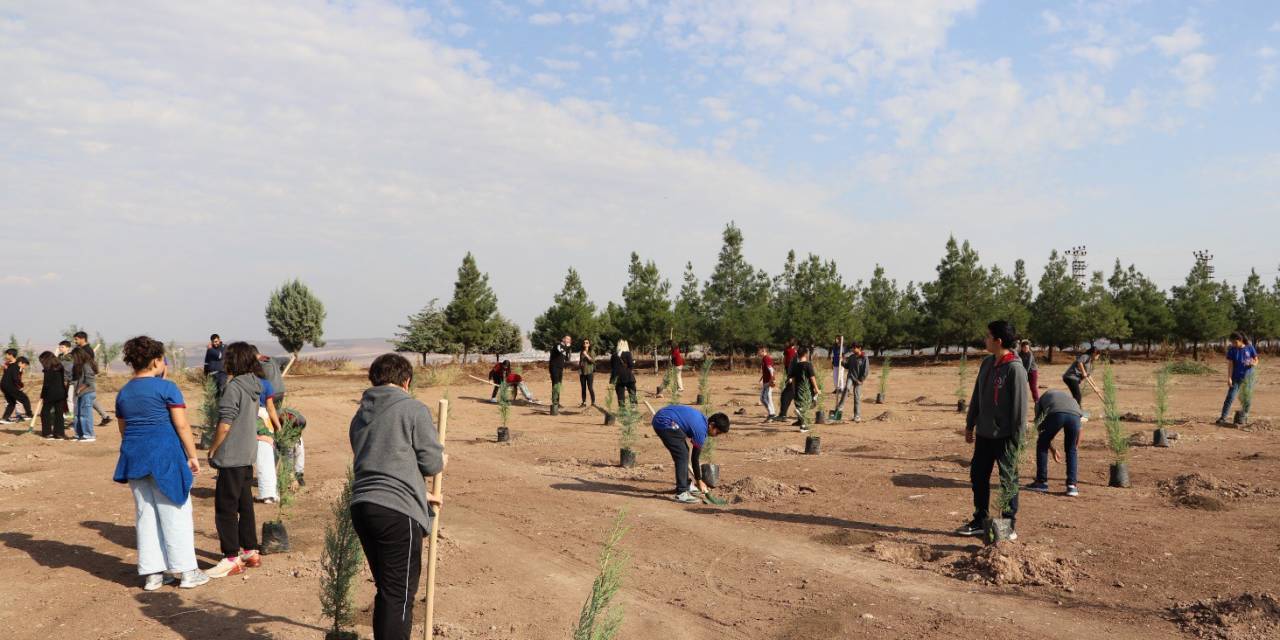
{"x": 381, "y": 153}
{"x": 1102, "y": 57}
{"x": 27, "y": 281}
{"x": 623, "y": 34}
{"x": 1052, "y": 23}
{"x": 800, "y": 104}
{"x": 1193, "y": 71}
{"x": 459, "y": 30}
{"x": 547, "y": 81}
{"x": 1266, "y": 53}
{"x": 546, "y": 19}
{"x": 1184, "y": 39}
{"x": 556, "y": 64}
{"x": 719, "y": 108}
{"x": 579, "y": 18}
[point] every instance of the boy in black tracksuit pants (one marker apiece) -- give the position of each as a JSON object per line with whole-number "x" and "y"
{"x": 11, "y": 384}
{"x": 996, "y": 423}
{"x": 559, "y": 360}
{"x": 395, "y": 446}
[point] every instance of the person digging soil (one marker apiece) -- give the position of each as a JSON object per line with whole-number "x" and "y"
{"x": 996, "y": 420}
{"x": 682, "y": 428}
{"x": 1060, "y": 413}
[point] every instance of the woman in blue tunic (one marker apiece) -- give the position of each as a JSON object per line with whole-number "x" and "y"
{"x": 158, "y": 461}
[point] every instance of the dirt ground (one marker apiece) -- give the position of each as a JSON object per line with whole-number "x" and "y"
{"x": 854, "y": 542}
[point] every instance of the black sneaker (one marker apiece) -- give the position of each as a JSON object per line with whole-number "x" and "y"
{"x": 106, "y": 420}
{"x": 302, "y": 482}
{"x": 972, "y": 528}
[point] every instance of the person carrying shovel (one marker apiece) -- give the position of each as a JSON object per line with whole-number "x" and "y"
{"x": 683, "y": 431}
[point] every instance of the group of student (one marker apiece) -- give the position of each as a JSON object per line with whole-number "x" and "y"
{"x": 69, "y": 387}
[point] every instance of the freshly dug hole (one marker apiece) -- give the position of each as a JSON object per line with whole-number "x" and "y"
{"x": 906, "y": 554}
{"x": 1200, "y": 501}
{"x": 846, "y": 538}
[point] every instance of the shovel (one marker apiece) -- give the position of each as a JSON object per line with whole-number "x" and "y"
{"x": 707, "y": 498}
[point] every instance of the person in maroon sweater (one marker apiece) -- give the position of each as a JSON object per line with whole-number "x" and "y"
{"x": 766, "y": 380}
{"x": 677, "y": 361}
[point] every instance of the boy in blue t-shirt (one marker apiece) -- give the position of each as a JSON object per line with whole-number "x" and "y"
{"x": 1241, "y": 359}
{"x": 682, "y": 428}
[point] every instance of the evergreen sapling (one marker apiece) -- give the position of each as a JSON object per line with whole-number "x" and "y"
{"x": 669, "y": 384}
{"x": 962, "y": 375}
{"x": 1246, "y": 396}
{"x": 504, "y": 403}
{"x": 599, "y": 619}
{"x": 1117, "y": 439}
{"x": 885, "y": 367}
{"x": 1162, "y": 397}
{"x": 209, "y": 412}
{"x": 340, "y": 566}
{"x": 704, "y": 384}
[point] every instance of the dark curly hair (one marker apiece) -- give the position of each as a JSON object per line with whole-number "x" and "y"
{"x": 241, "y": 358}
{"x": 141, "y": 351}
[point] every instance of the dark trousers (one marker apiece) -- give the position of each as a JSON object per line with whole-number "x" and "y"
{"x": 1069, "y": 425}
{"x": 557, "y": 381}
{"x": 629, "y": 387}
{"x": 588, "y": 382}
{"x": 14, "y": 397}
{"x": 987, "y": 453}
{"x": 674, "y": 441}
{"x": 233, "y": 511}
{"x": 1074, "y": 386}
{"x": 51, "y": 420}
{"x": 1033, "y": 380}
{"x": 788, "y": 396}
{"x": 392, "y": 542}
{"x": 496, "y": 379}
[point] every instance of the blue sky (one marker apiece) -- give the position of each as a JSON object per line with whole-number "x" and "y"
{"x": 166, "y": 165}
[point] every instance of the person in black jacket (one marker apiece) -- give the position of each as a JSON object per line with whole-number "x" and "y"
{"x": 559, "y": 360}
{"x": 620, "y": 365}
{"x": 11, "y": 385}
{"x": 53, "y": 398}
{"x": 996, "y": 424}
{"x": 213, "y": 357}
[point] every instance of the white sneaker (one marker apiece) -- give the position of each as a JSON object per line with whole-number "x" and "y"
{"x": 686, "y": 498}
{"x": 226, "y": 567}
{"x": 87, "y": 440}
{"x": 192, "y": 579}
{"x": 153, "y": 582}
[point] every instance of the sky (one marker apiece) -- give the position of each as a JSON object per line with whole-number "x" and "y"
{"x": 164, "y": 166}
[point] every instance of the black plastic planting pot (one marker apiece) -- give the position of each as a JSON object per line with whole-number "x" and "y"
{"x": 608, "y": 419}
{"x": 710, "y": 474}
{"x": 812, "y": 445}
{"x": 819, "y": 417}
{"x": 998, "y": 530}
{"x": 698, "y": 401}
{"x": 960, "y": 406}
{"x": 504, "y": 434}
{"x": 1240, "y": 418}
{"x": 341, "y": 635}
{"x": 275, "y": 538}
{"x": 626, "y": 458}
{"x": 1159, "y": 438}
{"x": 1119, "y": 475}
{"x": 879, "y": 398}
{"x": 555, "y": 409}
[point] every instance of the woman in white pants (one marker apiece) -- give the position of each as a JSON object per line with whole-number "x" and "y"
{"x": 158, "y": 461}
{"x": 265, "y": 463}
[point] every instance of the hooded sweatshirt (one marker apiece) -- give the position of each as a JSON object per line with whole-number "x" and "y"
{"x": 998, "y": 407}
{"x": 395, "y": 445}
{"x": 274, "y": 368}
{"x": 238, "y": 407}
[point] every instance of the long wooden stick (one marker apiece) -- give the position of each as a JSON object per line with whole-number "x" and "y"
{"x": 437, "y": 488}
{"x": 39, "y": 405}
{"x": 481, "y": 380}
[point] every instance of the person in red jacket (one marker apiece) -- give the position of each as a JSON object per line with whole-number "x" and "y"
{"x": 766, "y": 380}
{"x": 677, "y": 361}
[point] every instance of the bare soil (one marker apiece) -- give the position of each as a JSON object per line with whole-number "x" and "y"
{"x": 854, "y": 542}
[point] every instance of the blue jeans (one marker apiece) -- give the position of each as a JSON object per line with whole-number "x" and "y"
{"x": 84, "y": 414}
{"x": 1070, "y": 426}
{"x": 1231, "y": 397}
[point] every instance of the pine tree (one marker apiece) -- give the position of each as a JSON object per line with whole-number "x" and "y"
{"x": 1056, "y": 314}
{"x": 340, "y": 565}
{"x": 910, "y": 318}
{"x": 782, "y": 299}
{"x": 295, "y": 317}
{"x": 646, "y": 309}
{"x": 1258, "y": 311}
{"x": 107, "y": 352}
{"x": 469, "y": 316}
{"x": 959, "y": 300}
{"x": 1144, "y": 305}
{"x": 882, "y": 305}
{"x": 1011, "y": 297}
{"x": 1102, "y": 317}
{"x": 1201, "y": 308}
{"x": 735, "y": 300}
{"x": 822, "y": 307}
{"x": 571, "y": 313}
{"x": 425, "y": 333}
{"x": 599, "y": 620}
{"x": 504, "y": 338}
{"x": 688, "y": 320}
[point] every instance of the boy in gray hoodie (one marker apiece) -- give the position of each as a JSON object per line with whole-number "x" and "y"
{"x": 235, "y": 445}
{"x": 996, "y": 423}
{"x": 395, "y": 446}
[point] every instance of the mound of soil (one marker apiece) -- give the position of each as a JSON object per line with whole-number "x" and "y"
{"x": 1248, "y": 616}
{"x": 1017, "y": 564}
{"x": 906, "y": 554}
{"x": 846, "y": 538}
{"x": 12, "y": 482}
{"x": 1197, "y": 483}
{"x": 1200, "y": 501}
{"x": 921, "y": 400}
{"x": 760, "y": 489}
{"x": 884, "y": 417}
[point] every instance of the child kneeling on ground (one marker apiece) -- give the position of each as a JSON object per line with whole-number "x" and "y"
{"x": 395, "y": 445}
